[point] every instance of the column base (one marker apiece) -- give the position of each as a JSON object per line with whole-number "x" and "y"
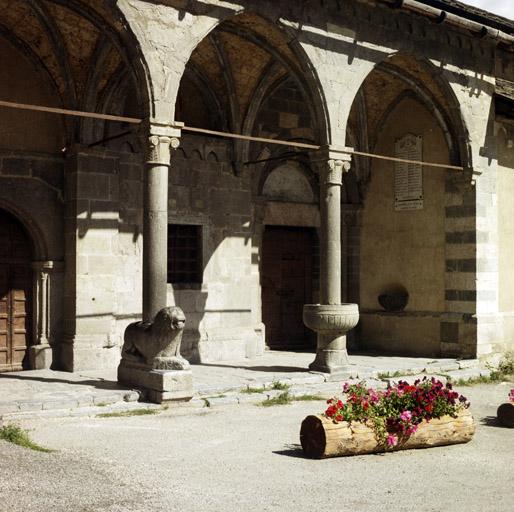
{"x": 40, "y": 356}
{"x": 331, "y": 322}
{"x": 158, "y": 386}
{"x": 330, "y": 359}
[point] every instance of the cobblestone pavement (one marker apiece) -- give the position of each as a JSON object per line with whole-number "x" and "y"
{"x": 47, "y": 393}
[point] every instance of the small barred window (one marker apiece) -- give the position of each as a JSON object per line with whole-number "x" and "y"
{"x": 184, "y": 254}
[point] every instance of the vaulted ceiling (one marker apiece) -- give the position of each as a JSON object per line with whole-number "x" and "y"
{"x": 234, "y": 69}
{"x": 79, "y": 45}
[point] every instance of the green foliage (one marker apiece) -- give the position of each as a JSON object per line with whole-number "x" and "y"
{"x": 16, "y": 435}
{"x": 286, "y": 398}
{"x": 506, "y": 366}
{"x": 388, "y": 375}
{"x": 309, "y": 398}
{"x": 249, "y": 390}
{"x": 124, "y": 414}
{"x": 282, "y": 399}
{"x": 275, "y": 385}
{"x": 280, "y": 386}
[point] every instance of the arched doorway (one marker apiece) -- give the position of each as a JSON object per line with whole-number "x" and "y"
{"x": 15, "y": 294}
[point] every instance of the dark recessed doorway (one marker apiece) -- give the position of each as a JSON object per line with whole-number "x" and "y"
{"x": 287, "y": 284}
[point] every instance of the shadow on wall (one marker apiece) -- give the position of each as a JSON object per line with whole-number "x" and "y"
{"x": 187, "y": 300}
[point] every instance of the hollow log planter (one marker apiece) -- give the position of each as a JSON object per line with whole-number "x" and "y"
{"x": 505, "y": 414}
{"x": 322, "y": 438}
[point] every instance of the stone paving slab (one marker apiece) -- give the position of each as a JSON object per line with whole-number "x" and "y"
{"x": 46, "y": 393}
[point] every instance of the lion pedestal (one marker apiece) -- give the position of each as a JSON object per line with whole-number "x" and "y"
{"x": 151, "y": 360}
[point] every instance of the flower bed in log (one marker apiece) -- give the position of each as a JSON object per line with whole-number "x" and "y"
{"x": 403, "y": 416}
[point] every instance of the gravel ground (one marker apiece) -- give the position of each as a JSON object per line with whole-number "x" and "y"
{"x": 248, "y": 458}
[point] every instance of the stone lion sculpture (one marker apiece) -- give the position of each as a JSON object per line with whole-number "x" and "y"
{"x": 157, "y": 344}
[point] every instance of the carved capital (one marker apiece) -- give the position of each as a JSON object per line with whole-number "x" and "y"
{"x": 159, "y": 141}
{"x": 158, "y": 150}
{"x": 334, "y": 170}
{"x": 332, "y": 162}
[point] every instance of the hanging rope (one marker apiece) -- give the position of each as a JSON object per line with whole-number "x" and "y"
{"x": 302, "y": 145}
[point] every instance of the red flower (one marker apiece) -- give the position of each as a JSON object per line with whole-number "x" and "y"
{"x": 331, "y": 411}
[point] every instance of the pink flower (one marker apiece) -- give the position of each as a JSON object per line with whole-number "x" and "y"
{"x": 511, "y": 395}
{"x": 412, "y": 429}
{"x": 392, "y": 440}
{"x": 373, "y": 396}
{"x": 406, "y": 416}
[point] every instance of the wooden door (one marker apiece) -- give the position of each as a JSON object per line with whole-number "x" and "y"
{"x": 15, "y": 294}
{"x": 286, "y": 279}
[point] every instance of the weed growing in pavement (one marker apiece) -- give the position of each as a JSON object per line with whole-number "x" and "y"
{"x": 309, "y": 398}
{"x": 389, "y": 375}
{"x": 286, "y": 398}
{"x": 124, "y": 414}
{"x": 506, "y": 366}
{"x": 16, "y": 435}
{"x": 282, "y": 399}
{"x": 249, "y": 390}
{"x": 280, "y": 386}
{"x": 503, "y": 371}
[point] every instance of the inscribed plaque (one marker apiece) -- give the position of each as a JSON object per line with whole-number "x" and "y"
{"x": 408, "y": 178}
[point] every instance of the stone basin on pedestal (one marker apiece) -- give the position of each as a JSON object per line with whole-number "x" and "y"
{"x": 331, "y": 322}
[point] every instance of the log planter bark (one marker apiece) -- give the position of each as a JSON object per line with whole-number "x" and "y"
{"x": 322, "y": 438}
{"x": 505, "y": 414}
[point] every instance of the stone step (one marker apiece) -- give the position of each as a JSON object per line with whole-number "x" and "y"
{"x": 211, "y": 396}
{"x": 62, "y": 401}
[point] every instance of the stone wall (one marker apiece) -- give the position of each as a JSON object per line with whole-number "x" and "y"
{"x": 103, "y": 227}
{"x": 204, "y": 191}
{"x": 404, "y": 248}
{"x": 505, "y": 147}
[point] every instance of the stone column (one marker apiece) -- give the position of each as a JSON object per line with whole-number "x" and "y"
{"x": 160, "y": 139}
{"x": 150, "y": 357}
{"x": 331, "y": 319}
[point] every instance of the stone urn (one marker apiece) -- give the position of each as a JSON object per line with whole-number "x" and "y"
{"x": 331, "y": 322}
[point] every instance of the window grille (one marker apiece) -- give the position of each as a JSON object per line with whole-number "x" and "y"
{"x": 184, "y": 254}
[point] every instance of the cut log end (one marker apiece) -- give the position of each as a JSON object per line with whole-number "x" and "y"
{"x": 505, "y": 415}
{"x": 312, "y": 437}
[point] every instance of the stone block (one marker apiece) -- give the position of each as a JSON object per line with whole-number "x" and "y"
{"x": 30, "y": 405}
{"x": 449, "y": 332}
{"x": 98, "y": 164}
{"x": 40, "y": 356}
{"x": 158, "y": 385}
{"x": 468, "y": 363}
{"x": 76, "y": 358}
{"x": 16, "y": 166}
{"x": 63, "y": 403}
{"x": 450, "y": 349}
{"x": 92, "y": 187}
{"x": 51, "y": 171}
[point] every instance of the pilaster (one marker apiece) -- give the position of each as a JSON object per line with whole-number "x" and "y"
{"x": 41, "y": 353}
